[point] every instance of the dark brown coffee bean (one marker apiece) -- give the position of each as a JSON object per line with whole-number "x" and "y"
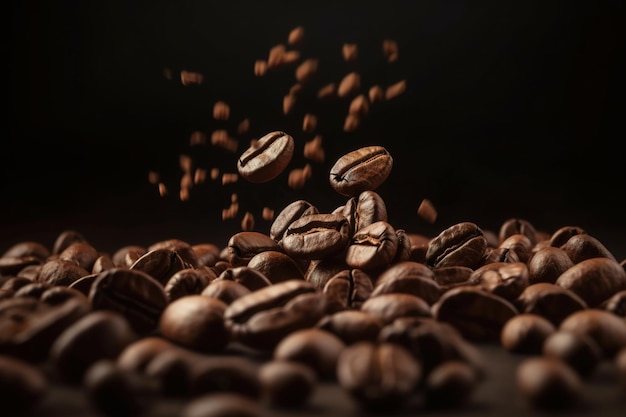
{"x": 616, "y": 304}
{"x": 160, "y": 264}
{"x": 127, "y": 255}
{"x": 118, "y": 392}
{"x": 22, "y": 385}
{"x": 267, "y": 158}
{"x": 182, "y": 248}
{"x": 172, "y": 368}
{"x": 196, "y": 322}
{"x": 620, "y": 364}
{"x": 579, "y": 351}
{"x": 292, "y": 212}
{"x": 549, "y": 301}
{"x": 547, "y": 264}
{"x": 364, "y": 169}
{"x": 34, "y": 290}
{"x": 379, "y": 376}
{"x": 131, "y": 293}
{"x": 243, "y": 246}
{"x": 138, "y": 354}
{"x": 286, "y": 384}
{"x": 526, "y": 333}
{"x": 606, "y": 329}
{"x": 321, "y": 271}
{"x": 223, "y": 404}
{"x": 408, "y": 277}
{"x": 520, "y": 244}
{"x": 349, "y": 288}
{"x": 583, "y": 246}
{"x": 388, "y": 307}
{"x": 451, "y": 276}
{"x": 352, "y": 326}
{"x": 207, "y": 253}
{"x": 225, "y": 290}
{"x": 81, "y": 253}
{"x": 450, "y": 385}
{"x": 246, "y": 276}
{"x": 517, "y": 226}
{"x": 477, "y": 314}
{"x": 27, "y": 249}
{"x": 65, "y": 239}
{"x": 98, "y": 335}
{"x": 276, "y": 266}
{"x": 189, "y": 281}
{"x": 403, "y": 252}
{"x": 562, "y": 235}
{"x": 462, "y": 244}
{"x": 594, "y": 280}
{"x": 15, "y": 283}
{"x": 500, "y": 255}
{"x": 548, "y": 383}
{"x": 316, "y": 236}
{"x": 30, "y": 271}
{"x": 102, "y": 263}
{"x": 419, "y": 247}
{"x": 84, "y": 284}
{"x": 507, "y": 280}
{"x": 236, "y": 374}
{"x": 56, "y": 295}
{"x": 367, "y": 208}
{"x": 314, "y": 347}
{"x": 61, "y": 272}
{"x": 374, "y": 246}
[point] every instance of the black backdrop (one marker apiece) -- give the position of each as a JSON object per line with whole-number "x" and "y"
{"x": 512, "y": 109}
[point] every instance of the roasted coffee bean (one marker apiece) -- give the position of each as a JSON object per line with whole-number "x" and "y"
{"x": 276, "y": 266}
{"x": 81, "y": 253}
{"x": 321, "y": 271}
{"x": 207, "y": 253}
{"x": 196, "y": 322}
{"x": 388, "y": 307}
{"x": 419, "y": 247}
{"x": 352, "y": 326}
{"x": 131, "y": 293}
{"x": 349, "y": 288}
{"x": 34, "y": 290}
{"x": 606, "y": 329}
{"x": 98, "y": 335}
{"x": 616, "y": 304}
{"x": 364, "y": 169}
{"x": 507, "y": 280}
{"x": 61, "y": 272}
{"x": 127, "y": 255}
{"x": 65, "y": 239}
{"x": 16, "y": 283}
{"x": 83, "y": 284}
{"x": 12, "y": 266}
{"x": 620, "y": 364}
{"x": 462, "y": 244}
{"x": 367, "y": 208}
{"x": 182, "y": 248}
{"x": 292, "y": 212}
{"x": 246, "y": 276}
{"x": 160, "y": 264}
{"x": 408, "y": 277}
{"x": 583, "y": 246}
{"x": 547, "y": 265}
{"x": 102, "y": 263}
{"x": 526, "y": 333}
{"x": 563, "y": 234}
{"x": 236, "y": 374}
{"x": 579, "y": 351}
{"x": 316, "y": 236}
{"x": 500, "y": 255}
{"x": 403, "y": 252}
{"x": 267, "y": 158}
{"x": 172, "y": 368}
{"x": 451, "y": 276}
{"x": 223, "y": 404}
{"x": 30, "y": 271}
{"x": 22, "y": 385}
{"x": 243, "y": 246}
{"x": 520, "y": 244}
{"x": 477, "y": 314}
{"x": 594, "y": 280}
{"x": 450, "y": 385}
{"x": 225, "y": 290}
{"x": 378, "y": 376}
{"x": 189, "y": 281}
{"x": 314, "y": 347}
{"x": 138, "y": 354}
{"x": 5, "y": 294}
{"x": 57, "y": 295}
{"x": 516, "y": 226}
{"x": 548, "y": 383}
{"x": 374, "y": 246}
{"x": 27, "y": 249}
{"x": 118, "y": 392}
{"x": 550, "y": 301}
{"x": 286, "y": 384}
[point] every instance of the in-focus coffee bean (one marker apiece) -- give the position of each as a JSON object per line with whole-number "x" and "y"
{"x": 267, "y": 158}
{"x": 363, "y": 169}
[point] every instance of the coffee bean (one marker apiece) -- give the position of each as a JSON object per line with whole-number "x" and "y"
{"x": 138, "y": 354}
{"x": 515, "y": 226}
{"x": 314, "y": 347}
{"x": 316, "y": 236}
{"x": 378, "y": 376}
{"x": 500, "y": 255}
{"x": 30, "y": 271}
{"x": 306, "y": 70}
{"x": 616, "y": 304}
{"x": 583, "y": 246}
{"x": 579, "y": 351}
{"x": 276, "y": 266}
{"x": 188, "y": 281}
{"x": 81, "y": 253}
{"x": 34, "y": 289}
{"x": 408, "y": 277}
{"x": 388, "y": 307}
{"x": 127, "y": 255}
{"x": 65, "y": 239}
{"x": 102, "y": 263}
{"x": 450, "y": 385}
{"x": 352, "y": 326}
{"x": 233, "y": 374}
{"x": 61, "y": 272}
{"x": 563, "y": 234}
{"x": 605, "y": 328}
{"x": 507, "y": 280}
{"x": 58, "y": 295}
{"x": 451, "y": 276}
{"x": 547, "y": 265}
{"x": 462, "y": 244}
{"x": 182, "y": 249}
{"x": 207, "y": 253}
{"x": 548, "y": 383}
{"x": 27, "y": 249}
{"x": 620, "y": 363}
{"x": 594, "y": 280}
{"x": 550, "y": 301}
{"x": 520, "y": 244}
{"x": 369, "y": 207}
{"x": 349, "y": 288}
{"x": 223, "y": 404}
{"x": 16, "y": 283}
{"x": 290, "y": 213}
{"x": 225, "y": 290}
{"x": 286, "y": 384}
{"x": 526, "y": 333}
{"x": 373, "y": 246}
{"x": 246, "y": 276}
{"x": 267, "y": 159}
{"x": 363, "y": 169}
{"x": 426, "y": 210}
{"x": 22, "y": 385}
{"x": 160, "y": 264}
{"x": 349, "y": 84}
{"x": 243, "y": 246}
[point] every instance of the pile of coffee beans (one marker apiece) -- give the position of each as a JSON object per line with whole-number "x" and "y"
{"x": 394, "y": 319}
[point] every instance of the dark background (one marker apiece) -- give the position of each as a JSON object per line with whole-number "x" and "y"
{"x": 513, "y": 109}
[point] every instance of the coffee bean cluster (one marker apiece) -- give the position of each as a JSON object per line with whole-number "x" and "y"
{"x": 394, "y": 318}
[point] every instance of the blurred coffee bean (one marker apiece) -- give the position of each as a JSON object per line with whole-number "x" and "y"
{"x": 81, "y": 253}
{"x": 225, "y": 290}
{"x": 276, "y": 266}
{"x": 23, "y": 386}
{"x": 515, "y": 226}
{"x": 563, "y": 234}
{"x": 594, "y": 280}
{"x": 547, "y": 265}
{"x": 137, "y": 355}
{"x": 388, "y": 307}
{"x": 583, "y": 246}
{"x": 286, "y": 384}
{"x": 525, "y": 333}
{"x": 65, "y": 239}
{"x": 223, "y": 404}
{"x": 579, "y": 351}
{"x": 61, "y": 272}
{"x": 605, "y": 328}
{"x": 548, "y": 383}
{"x": 27, "y": 249}
{"x": 127, "y": 255}
{"x": 182, "y": 249}
{"x": 550, "y": 301}
{"x": 450, "y": 385}
{"x": 616, "y": 304}
{"x": 352, "y": 326}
